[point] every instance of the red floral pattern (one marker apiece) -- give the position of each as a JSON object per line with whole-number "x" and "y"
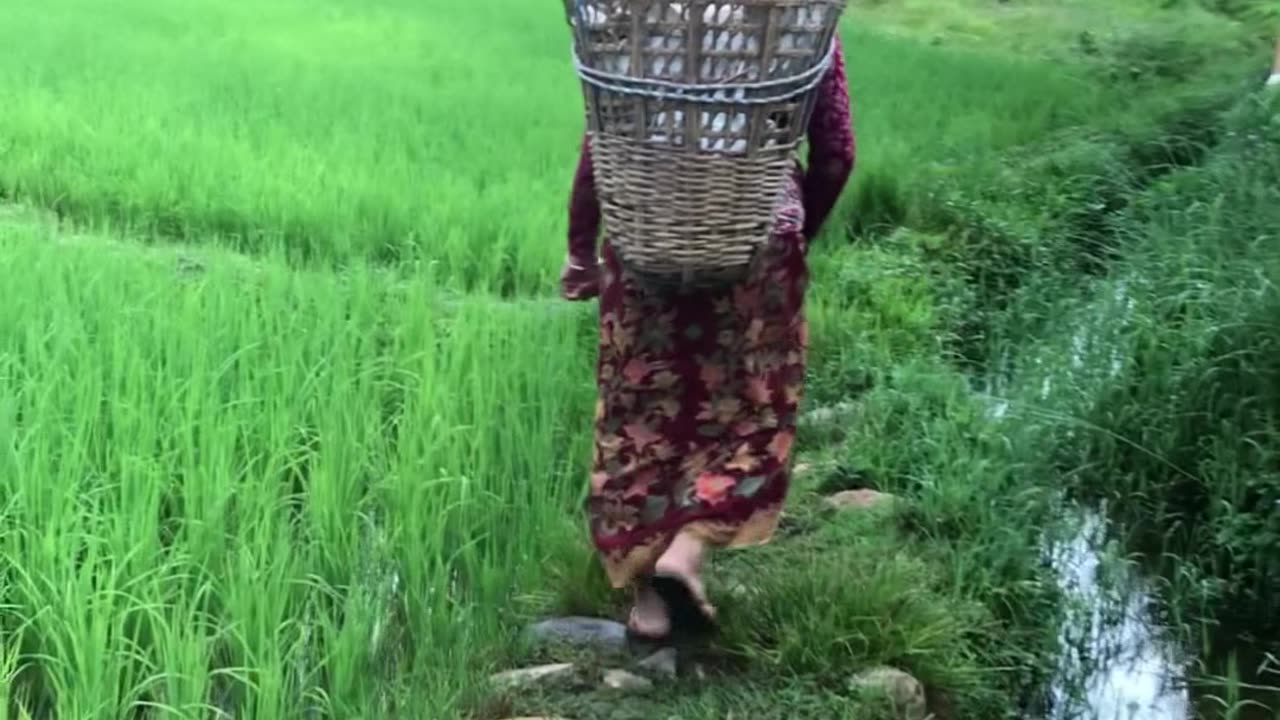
{"x": 698, "y": 394}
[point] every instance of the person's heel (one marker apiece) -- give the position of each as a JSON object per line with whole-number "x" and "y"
{"x": 686, "y": 610}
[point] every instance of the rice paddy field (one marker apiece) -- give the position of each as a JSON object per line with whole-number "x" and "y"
{"x": 423, "y": 133}
{"x": 292, "y": 421}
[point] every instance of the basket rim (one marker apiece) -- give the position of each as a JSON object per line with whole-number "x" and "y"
{"x": 796, "y": 84}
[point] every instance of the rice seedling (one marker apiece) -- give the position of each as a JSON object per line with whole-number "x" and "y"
{"x": 333, "y": 134}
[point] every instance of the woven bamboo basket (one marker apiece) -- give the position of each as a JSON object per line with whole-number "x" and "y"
{"x": 695, "y": 110}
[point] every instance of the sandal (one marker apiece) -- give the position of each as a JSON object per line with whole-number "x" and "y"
{"x": 688, "y": 613}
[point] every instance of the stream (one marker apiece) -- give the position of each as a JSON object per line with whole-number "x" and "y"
{"x": 1117, "y": 661}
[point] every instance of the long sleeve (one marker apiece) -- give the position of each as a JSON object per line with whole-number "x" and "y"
{"x": 584, "y": 210}
{"x": 832, "y": 147}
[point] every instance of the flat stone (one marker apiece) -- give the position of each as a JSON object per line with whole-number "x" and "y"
{"x": 623, "y": 681}
{"x": 742, "y": 591}
{"x": 541, "y": 675}
{"x": 859, "y": 500}
{"x": 664, "y": 663}
{"x": 828, "y": 414}
{"x": 596, "y": 633}
{"x": 904, "y": 691}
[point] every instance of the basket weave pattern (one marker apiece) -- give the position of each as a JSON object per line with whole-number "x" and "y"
{"x": 695, "y": 110}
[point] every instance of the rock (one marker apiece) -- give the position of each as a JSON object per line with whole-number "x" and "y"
{"x": 602, "y": 635}
{"x": 664, "y": 663}
{"x": 819, "y": 416}
{"x": 541, "y": 675}
{"x": 624, "y": 681}
{"x": 904, "y": 691}
{"x": 859, "y": 500}
{"x": 740, "y": 591}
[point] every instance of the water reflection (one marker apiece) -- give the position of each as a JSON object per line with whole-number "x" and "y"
{"x": 1116, "y": 662}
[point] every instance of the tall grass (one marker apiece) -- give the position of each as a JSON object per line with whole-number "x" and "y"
{"x": 1154, "y": 387}
{"x": 266, "y": 490}
{"x": 1184, "y": 407}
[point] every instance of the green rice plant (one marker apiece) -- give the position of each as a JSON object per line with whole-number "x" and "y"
{"x": 269, "y": 492}
{"x": 336, "y": 133}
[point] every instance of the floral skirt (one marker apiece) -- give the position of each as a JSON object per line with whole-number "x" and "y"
{"x": 696, "y": 414}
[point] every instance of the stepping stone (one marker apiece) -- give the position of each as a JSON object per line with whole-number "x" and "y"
{"x": 859, "y": 500}
{"x": 602, "y": 635}
{"x": 903, "y": 690}
{"x": 828, "y": 414}
{"x": 664, "y": 663}
{"x": 540, "y": 676}
{"x": 623, "y": 681}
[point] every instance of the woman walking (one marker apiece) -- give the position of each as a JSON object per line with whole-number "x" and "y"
{"x": 698, "y": 394}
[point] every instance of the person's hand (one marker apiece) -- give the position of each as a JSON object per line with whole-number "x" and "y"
{"x": 579, "y": 280}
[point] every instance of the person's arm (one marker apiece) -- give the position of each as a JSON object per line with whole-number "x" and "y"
{"x": 580, "y": 278}
{"x": 584, "y": 209}
{"x": 832, "y": 147}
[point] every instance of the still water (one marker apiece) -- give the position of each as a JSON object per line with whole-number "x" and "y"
{"x": 1117, "y": 662}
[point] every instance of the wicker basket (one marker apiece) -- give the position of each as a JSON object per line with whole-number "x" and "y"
{"x": 695, "y": 110}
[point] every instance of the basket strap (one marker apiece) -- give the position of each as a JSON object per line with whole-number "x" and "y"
{"x": 705, "y": 92}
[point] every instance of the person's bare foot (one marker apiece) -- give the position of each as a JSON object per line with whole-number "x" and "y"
{"x": 683, "y": 560}
{"x": 649, "y": 616}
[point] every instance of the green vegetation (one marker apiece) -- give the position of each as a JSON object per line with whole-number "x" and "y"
{"x": 213, "y": 465}
{"x": 334, "y": 134}
{"x": 1181, "y": 403}
{"x": 292, "y": 424}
